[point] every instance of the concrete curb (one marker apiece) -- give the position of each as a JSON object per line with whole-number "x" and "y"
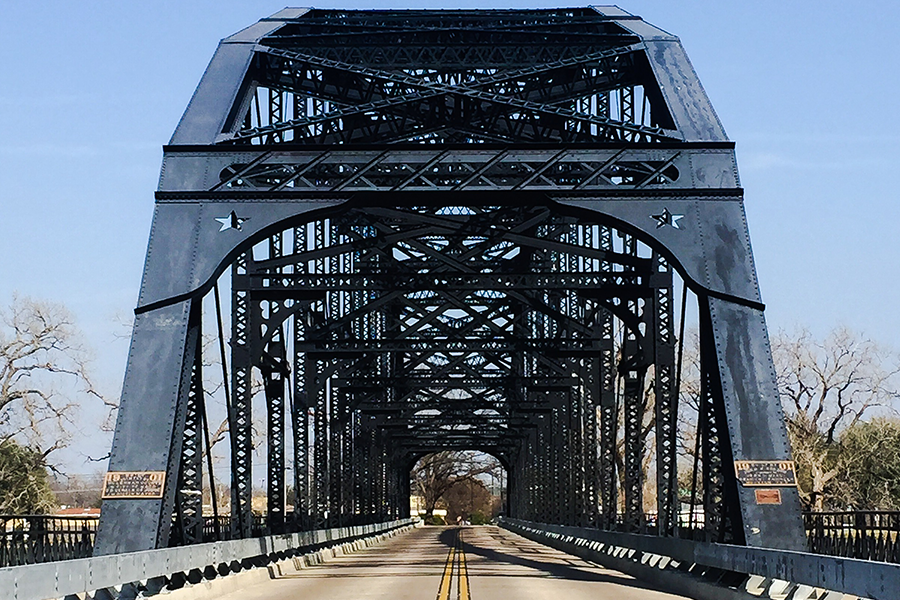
{"x": 235, "y": 582}
{"x": 657, "y": 574}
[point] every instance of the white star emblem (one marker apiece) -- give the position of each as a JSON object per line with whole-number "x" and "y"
{"x": 232, "y": 221}
{"x": 667, "y": 218}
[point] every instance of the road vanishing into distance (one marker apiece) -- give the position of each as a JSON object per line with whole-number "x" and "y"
{"x": 454, "y": 563}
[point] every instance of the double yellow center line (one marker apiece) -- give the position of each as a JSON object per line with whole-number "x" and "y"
{"x": 456, "y": 562}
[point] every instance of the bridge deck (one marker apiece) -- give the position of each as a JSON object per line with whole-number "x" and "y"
{"x": 471, "y": 563}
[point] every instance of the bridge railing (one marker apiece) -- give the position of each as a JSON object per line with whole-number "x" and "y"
{"x": 127, "y": 575}
{"x": 870, "y": 535}
{"x": 863, "y": 534}
{"x": 30, "y": 539}
{"x": 762, "y": 571}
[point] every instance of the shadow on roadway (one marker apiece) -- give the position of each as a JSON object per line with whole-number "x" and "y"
{"x": 550, "y": 569}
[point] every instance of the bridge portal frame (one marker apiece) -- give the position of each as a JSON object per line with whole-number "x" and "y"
{"x": 672, "y": 184}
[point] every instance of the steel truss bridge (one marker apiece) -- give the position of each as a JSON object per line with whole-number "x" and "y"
{"x": 410, "y": 231}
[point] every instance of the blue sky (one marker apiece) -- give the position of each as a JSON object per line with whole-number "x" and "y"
{"x": 90, "y": 91}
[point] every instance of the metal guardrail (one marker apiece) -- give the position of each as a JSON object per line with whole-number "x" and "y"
{"x": 867, "y": 579}
{"x": 31, "y": 539}
{"x": 863, "y": 534}
{"x": 70, "y": 577}
{"x": 869, "y": 535}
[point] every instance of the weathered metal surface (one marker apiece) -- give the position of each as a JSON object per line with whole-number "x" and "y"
{"x": 448, "y": 230}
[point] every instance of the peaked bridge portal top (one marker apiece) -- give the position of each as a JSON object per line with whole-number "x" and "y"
{"x": 449, "y": 229}
{"x": 571, "y": 76}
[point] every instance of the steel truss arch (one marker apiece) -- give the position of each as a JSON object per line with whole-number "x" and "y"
{"x": 435, "y": 245}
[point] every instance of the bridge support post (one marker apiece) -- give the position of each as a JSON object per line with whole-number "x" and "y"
{"x": 754, "y": 426}
{"x": 150, "y": 426}
{"x": 460, "y": 254}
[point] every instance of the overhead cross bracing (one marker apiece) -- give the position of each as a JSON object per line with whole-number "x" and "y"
{"x": 409, "y": 231}
{"x": 454, "y": 76}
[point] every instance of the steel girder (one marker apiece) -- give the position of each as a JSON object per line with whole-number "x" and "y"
{"x": 449, "y": 230}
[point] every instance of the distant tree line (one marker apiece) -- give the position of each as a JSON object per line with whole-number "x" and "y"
{"x": 840, "y": 396}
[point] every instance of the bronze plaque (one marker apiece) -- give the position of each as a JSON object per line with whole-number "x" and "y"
{"x": 134, "y": 484}
{"x": 765, "y": 473}
{"x": 768, "y": 496}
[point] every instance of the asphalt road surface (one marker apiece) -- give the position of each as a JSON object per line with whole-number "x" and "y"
{"x": 450, "y": 563}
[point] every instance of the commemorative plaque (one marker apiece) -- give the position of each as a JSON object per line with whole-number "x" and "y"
{"x": 772, "y": 496}
{"x": 134, "y": 484}
{"x": 765, "y": 473}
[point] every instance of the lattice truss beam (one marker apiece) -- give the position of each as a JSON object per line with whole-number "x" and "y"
{"x": 428, "y": 328}
{"x": 509, "y": 78}
{"x": 447, "y": 230}
{"x": 455, "y": 170}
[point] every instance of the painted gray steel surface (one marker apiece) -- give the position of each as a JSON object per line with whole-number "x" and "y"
{"x": 596, "y": 134}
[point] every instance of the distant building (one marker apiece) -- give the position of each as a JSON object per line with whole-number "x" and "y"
{"x": 74, "y": 511}
{"x": 417, "y": 507}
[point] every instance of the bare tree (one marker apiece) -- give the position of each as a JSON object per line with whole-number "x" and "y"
{"x": 435, "y": 474}
{"x": 82, "y": 491}
{"x": 827, "y": 386}
{"x": 214, "y": 394}
{"x": 43, "y": 374}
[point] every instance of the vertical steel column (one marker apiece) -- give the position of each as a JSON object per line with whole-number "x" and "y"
{"x": 352, "y": 440}
{"x": 626, "y": 104}
{"x": 189, "y": 497}
{"x": 632, "y": 368}
{"x": 274, "y": 376}
{"x": 556, "y": 467}
{"x": 300, "y": 406}
{"x": 276, "y": 115}
{"x": 575, "y": 392}
{"x": 590, "y": 394}
{"x": 381, "y": 477}
{"x": 608, "y": 409}
{"x": 590, "y": 402}
{"x": 363, "y": 482}
{"x": 534, "y": 462}
{"x": 239, "y": 421}
{"x": 393, "y": 483}
{"x": 515, "y": 494}
{"x": 319, "y": 395}
{"x": 602, "y": 102}
{"x": 633, "y": 408}
{"x": 716, "y": 447}
{"x": 334, "y": 457}
{"x": 365, "y": 446}
{"x": 666, "y": 397}
{"x": 317, "y": 391}
{"x": 337, "y": 423}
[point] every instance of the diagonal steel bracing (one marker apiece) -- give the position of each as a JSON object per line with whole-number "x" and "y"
{"x": 461, "y": 230}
